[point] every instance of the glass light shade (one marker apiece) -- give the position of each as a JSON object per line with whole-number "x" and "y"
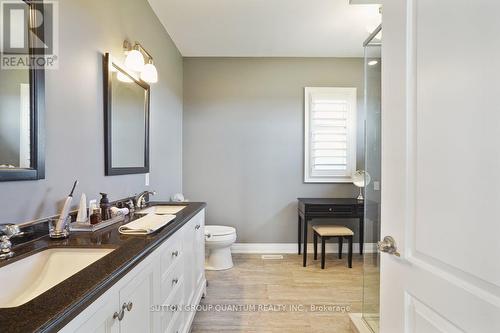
{"x": 134, "y": 60}
{"x": 123, "y": 78}
{"x": 149, "y": 73}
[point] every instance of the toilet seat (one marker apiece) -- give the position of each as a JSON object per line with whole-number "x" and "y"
{"x": 217, "y": 232}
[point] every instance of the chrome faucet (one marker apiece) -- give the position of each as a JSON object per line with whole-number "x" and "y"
{"x": 8, "y": 231}
{"x": 140, "y": 201}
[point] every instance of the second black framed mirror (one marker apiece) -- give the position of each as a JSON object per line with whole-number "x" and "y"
{"x": 126, "y": 121}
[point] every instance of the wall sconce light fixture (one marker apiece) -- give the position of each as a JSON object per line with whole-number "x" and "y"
{"x": 135, "y": 61}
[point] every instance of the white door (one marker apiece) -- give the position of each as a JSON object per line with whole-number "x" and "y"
{"x": 440, "y": 165}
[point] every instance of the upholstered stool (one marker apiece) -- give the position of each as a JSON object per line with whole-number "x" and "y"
{"x": 329, "y": 231}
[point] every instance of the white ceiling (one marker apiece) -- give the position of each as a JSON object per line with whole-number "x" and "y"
{"x": 267, "y": 28}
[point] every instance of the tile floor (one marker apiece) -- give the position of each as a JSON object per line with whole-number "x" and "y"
{"x": 285, "y": 284}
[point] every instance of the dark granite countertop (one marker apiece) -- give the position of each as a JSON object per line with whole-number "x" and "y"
{"x": 53, "y": 309}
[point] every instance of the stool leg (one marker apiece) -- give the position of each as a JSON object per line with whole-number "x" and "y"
{"x": 340, "y": 247}
{"x": 323, "y": 254}
{"x": 349, "y": 255}
{"x": 315, "y": 238}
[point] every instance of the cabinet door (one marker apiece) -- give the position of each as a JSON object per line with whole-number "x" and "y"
{"x": 138, "y": 296}
{"x": 100, "y": 320}
{"x": 189, "y": 261}
{"x": 199, "y": 249}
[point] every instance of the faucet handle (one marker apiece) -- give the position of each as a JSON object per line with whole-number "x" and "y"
{"x": 5, "y": 247}
{"x": 10, "y": 230}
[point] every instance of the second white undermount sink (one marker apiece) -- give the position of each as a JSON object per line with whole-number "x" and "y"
{"x": 163, "y": 209}
{"x": 29, "y": 277}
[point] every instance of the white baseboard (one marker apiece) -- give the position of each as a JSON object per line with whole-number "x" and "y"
{"x": 358, "y": 325}
{"x": 292, "y": 248}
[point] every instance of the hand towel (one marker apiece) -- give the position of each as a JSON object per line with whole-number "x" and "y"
{"x": 145, "y": 225}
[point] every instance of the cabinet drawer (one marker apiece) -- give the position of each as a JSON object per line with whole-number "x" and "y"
{"x": 173, "y": 307}
{"x": 340, "y": 209}
{"x": 171, "y": 280}
{"x": 170, "y": 255}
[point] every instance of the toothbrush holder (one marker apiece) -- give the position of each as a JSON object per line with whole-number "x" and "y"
{"x": 58, "y": 234}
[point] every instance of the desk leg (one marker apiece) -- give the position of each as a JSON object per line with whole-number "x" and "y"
{"x": 361, "y": 234}
{"x": 305, "y": 242}
{"x": 299, "y": 243}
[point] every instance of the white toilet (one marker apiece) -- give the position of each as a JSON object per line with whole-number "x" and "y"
{"x": 218, "y": 241}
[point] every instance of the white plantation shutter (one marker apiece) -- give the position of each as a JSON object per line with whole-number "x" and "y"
{"x": 330, "y": 138}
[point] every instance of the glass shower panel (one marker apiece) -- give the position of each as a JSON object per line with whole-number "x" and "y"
{"x": 371, "y": 264}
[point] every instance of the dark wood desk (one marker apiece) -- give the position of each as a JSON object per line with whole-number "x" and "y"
{"x": 325, "y": 208}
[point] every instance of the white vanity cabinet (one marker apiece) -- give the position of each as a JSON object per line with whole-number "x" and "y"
{"x": 160, "y": 294}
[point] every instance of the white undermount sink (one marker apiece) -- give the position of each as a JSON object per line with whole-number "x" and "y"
{"x": 163, "y": 209}
{"x": 29, "y": 277}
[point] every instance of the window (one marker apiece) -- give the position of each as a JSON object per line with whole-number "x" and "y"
{"x": 330, "y": 135}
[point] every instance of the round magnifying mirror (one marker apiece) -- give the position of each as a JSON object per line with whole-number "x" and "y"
{"x": 360, "y": 179}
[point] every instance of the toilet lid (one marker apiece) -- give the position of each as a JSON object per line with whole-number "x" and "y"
{"x": 219, "y": 230}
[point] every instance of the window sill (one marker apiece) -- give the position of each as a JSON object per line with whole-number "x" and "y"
{"x": 328, "y": 181}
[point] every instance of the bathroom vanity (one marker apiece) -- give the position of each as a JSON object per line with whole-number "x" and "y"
{"x": 142, "y": 284}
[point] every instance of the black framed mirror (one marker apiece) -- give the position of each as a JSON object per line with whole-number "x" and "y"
{"x": 22, "y": 101}
{"x": 126, "y": 121}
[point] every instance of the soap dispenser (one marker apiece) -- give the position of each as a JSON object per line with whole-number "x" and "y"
{"x": 105, "y": 207}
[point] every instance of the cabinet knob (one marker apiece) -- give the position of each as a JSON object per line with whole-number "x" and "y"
{"x": 121, "y": 314}
{"x": 175, "y": 281}
{"x": 175, "y": 253}
{"x": 197, "y": 227}
{"x": 129, "y": 306}
{"x": 330, "y": 209}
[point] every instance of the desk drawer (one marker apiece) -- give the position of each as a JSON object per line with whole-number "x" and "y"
{"x": 334, "y": 209}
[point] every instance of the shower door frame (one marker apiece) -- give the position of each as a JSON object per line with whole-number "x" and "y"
{"x": 369, "y": 43}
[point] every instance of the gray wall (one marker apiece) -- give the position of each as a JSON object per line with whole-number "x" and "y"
{"x": 74, "y": 101}
{"x": 243, "y": 139}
